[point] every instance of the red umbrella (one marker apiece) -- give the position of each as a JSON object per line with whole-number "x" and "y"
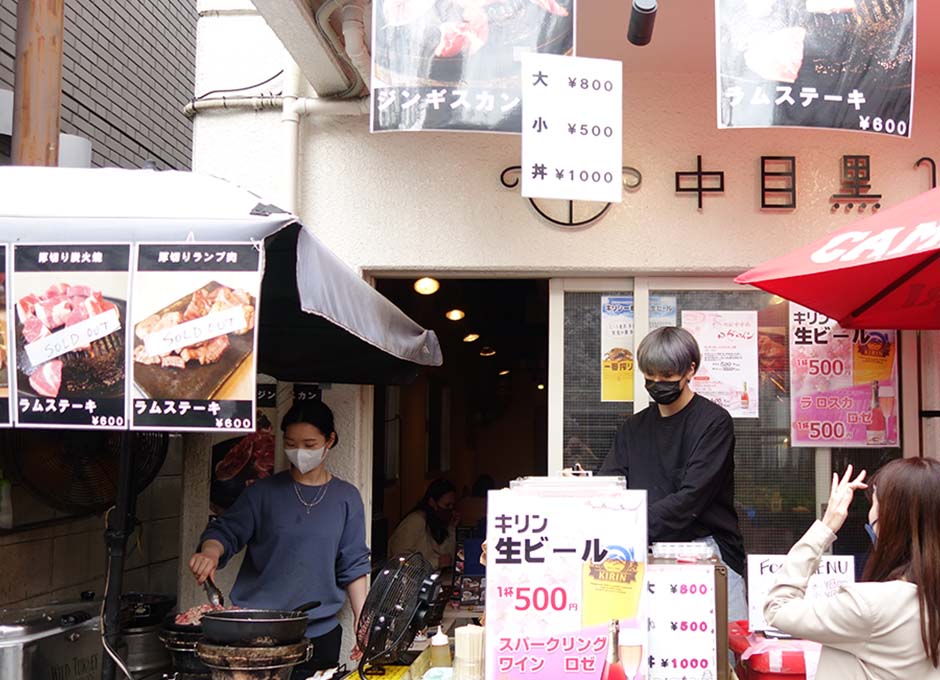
{"x": 880, "y": 272}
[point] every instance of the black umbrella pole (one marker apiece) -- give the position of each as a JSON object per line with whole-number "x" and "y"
{"x": 120, "y": 526}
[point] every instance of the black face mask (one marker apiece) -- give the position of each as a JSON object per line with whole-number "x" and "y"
{"x": 664, "y": 392}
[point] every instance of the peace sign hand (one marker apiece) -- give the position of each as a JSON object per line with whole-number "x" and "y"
{"x": 840, "y": 497}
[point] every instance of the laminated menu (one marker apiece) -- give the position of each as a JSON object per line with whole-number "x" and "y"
{"x": 69, "y": 335}
{"x": 194, "y": 340}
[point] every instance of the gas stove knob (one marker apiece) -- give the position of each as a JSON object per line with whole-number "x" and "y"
{"x": 74, "y": 637}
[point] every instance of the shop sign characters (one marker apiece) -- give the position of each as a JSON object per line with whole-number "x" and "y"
{"x": 855, "y": 182}
{"x": 195, "y": 336}
{"x": 843, "y": 384}
{"x": 705, "y": 182}
{"x": 572, "y": 128}
{"x": 836, "y": 64}
{"x": 778, "y": 182}
{"x": 70, "y": 335}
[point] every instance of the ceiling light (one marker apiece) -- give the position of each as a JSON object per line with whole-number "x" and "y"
{"x": 642, "y": 18}
{"x": 506, "y": 372}
{"x": 455, "y": 314}
{"x": 487, "y": 352}
{"x": 471, "y": 337}
{"x": 427, "y": 285}
{"x": 541, "y": 386}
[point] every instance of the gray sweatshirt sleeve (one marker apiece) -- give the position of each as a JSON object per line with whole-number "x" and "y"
{"x": 353, "y": 558}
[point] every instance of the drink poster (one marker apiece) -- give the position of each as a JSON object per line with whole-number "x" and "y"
{"x": 843, "y": 383}
{"x": 833, "y": 572}
{"x": 70, "y": 334}
{"x": 617, "y": 340}
{"x": 6, "y": 419}
{"x": 682, "y": 622}
{"x": 842, "y": 64}
{"x": 729, "y": 371}
{"x": 240, "y": 462}
{"x": 454, "y": 64}
{"x": 195, "y": 336}
{"x": 565, "y": 584}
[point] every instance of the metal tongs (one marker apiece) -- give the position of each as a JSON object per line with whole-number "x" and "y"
{"x": 213, "y": 593}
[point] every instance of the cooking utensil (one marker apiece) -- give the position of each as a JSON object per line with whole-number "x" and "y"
{"x": 181, "y": 642}
{"x": 257, "y": 627}
{"x": 213, "y": 593}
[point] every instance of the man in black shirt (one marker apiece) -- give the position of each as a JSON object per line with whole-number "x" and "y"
{"x": 681, "y": 450}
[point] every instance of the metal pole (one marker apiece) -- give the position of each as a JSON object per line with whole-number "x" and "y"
{"x": 37, "y": 96}
{"x": 120, "y": 526}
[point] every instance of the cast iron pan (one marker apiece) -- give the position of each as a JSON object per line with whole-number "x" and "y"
{"x": 257, "y": 627}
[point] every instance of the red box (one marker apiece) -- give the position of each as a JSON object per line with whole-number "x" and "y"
{"x": 776, "y": 659}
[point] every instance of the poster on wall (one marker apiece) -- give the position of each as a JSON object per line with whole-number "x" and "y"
{"x": 617, "y": 340}
{"x": 565, "y": 585}
{"x": 454, "y": 64}
{"x": 729, "y": 371}
{"x": 6, "y": 419}
{"x": 682, "y": 622}
{"x": 842, "y": 64}
{"x": 195, "y": 336}
{"x": 833, "y": 572}
{"x": 843, "y": 383}
{"x": 69, "y": 335}
{"x": 240, "y": 462}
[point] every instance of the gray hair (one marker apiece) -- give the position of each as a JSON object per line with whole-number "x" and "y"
{"x": 668, "y": 351}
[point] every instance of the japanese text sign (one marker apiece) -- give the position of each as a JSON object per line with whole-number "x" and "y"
{"x": 682, "y": 622}
{"x": 843, "y": 383}
{"x": 562, "y": 572}
{"x": 70, "y": 335}
{"x": 840, "y": 64}
{"x": 572, "y": 128}
{"x": 833, "y": 571}
{"x": 455, "y": 65}
{"x": 729, "y": 371}
{"x": 195, "y": 336}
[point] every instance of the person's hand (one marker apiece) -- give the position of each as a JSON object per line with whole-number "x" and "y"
{"x": 355, "y": 654}
{"x": 454, "y": 520}
{"x": 840, "y": 498}
{"x": 203, "y": 566}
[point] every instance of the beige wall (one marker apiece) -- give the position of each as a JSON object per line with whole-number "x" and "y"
{"x": 59, "y": 562}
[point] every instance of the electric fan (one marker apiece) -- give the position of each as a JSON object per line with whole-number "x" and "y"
{"x": 396, "y": 608}
{"x": 77, "y": 472}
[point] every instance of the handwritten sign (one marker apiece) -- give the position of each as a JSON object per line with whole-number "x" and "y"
{"x": 833, "y": 572}
{"x": 683, "y": 622}
{"x": 73, "y": 337}
{"x": 198, "y": 330}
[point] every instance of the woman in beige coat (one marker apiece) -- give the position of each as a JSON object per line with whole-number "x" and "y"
{"x": 888, "y": 626}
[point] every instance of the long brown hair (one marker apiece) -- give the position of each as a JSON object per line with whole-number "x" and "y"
{"x": 908, "y": 545}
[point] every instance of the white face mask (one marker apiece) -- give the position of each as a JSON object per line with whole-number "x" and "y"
{"x": 305, "y": 460}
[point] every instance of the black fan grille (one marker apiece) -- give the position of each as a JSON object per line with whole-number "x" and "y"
{"x": 387, "y": 624}
{"x": 77, "y": 471}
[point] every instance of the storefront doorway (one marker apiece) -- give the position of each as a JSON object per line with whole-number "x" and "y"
{"x": 483, "y": 413}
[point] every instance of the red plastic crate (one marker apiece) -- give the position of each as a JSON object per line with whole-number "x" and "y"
{"x": 767, "y": 659}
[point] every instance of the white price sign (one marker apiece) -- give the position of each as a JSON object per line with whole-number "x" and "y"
{"x": 682, "y": 621}
{"x": 833, "y": 572}
{"x": 572, "y": 128}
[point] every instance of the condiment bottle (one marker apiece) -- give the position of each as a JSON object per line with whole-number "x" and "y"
{"x": 440, "y": 650}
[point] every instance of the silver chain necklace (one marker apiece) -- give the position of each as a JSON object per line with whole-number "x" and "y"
{"x": 320, "y": 496}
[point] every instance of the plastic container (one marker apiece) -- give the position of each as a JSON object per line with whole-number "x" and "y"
{"x": 760, "y": 658}
{"x": 440, "y": 650}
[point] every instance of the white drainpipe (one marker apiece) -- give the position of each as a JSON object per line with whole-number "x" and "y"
{"x": 354, "y": 37}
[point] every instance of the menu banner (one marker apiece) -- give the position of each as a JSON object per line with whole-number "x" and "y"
{"x": 843, "y": 383}
{"x": 833, "y": 572}
{"x": 729, "y": 372}
{"x": 617, "y": 340}
{"x": 195, "y": 336}
{"x": 6, "y": 356}
{"x": 565, "y": 584}
{"x": 455, "y": 65}
{"x": 683, "y": 623}
{"x": 70, "y": 334}
{"x": 842, "y": 64}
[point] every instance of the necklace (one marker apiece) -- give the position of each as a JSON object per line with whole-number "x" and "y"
{"x": 316, "y": 501}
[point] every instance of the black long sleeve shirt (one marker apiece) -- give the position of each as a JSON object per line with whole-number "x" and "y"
{"x": 686, "y": 464}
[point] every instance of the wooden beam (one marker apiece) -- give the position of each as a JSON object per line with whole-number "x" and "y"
{"x": 37, "y": 96}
